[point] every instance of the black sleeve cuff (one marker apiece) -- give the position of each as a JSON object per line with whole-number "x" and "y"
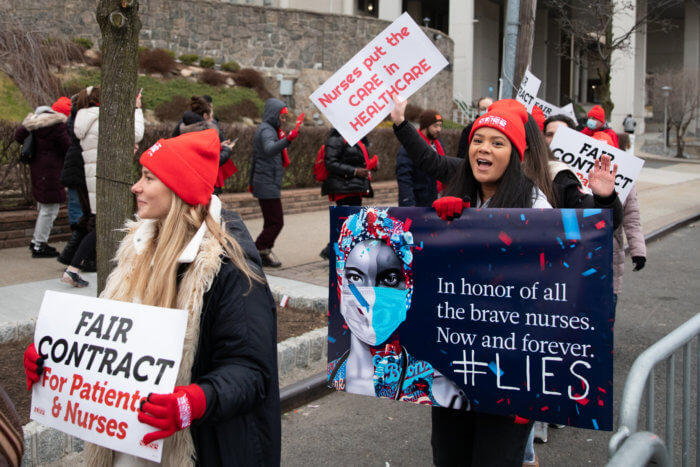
{"x": 607, "y": 200}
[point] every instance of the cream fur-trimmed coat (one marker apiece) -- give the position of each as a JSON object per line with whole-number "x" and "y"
{"x": 204, "y": 253}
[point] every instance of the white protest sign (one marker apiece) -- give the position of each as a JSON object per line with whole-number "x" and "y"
{"x": 580, "y": 152}
{"x": 551, "y": 109}
{"x": 400, "y": 60}
{"x": 568, "y": 110}
{"x": 529, "y": 87}
{"x": 102, "y": 357}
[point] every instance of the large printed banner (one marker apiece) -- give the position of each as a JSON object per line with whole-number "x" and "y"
{"x": 102, "y": 358}
{"x": 400, "y": 60}
{"x": 503, "y": 311}
{"x": 580, "y": 152}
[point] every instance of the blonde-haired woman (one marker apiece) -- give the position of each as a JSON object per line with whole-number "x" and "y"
{"x": 178, "y": 255}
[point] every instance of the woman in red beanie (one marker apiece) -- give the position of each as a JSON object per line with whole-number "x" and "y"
{"x": 491, "y": 176}
{"x": 225, "y": 408}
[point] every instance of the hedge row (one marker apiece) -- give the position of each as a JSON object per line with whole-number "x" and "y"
{"x": 302, "y": 153}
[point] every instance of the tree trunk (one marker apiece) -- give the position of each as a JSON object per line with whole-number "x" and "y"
{"x": 679, "y": 141}
{"x": 120, "y": 25}
{"x": 526, "y": 38}
{"x": 607, "y": 103}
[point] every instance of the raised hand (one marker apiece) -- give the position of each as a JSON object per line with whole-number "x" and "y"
{"x": 600, "y": 179}
{"x": 397, "y": 113}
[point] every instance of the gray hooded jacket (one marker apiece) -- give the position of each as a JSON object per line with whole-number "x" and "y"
{"x": 266, "y": 165}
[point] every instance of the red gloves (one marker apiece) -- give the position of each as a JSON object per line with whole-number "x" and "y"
{"x": 33, "y": 365}
{"x": 292, "y": 135}
{"x": 172, "y": 412}
{"x": 372, "y": 164}
{"x": 449, "y": 207}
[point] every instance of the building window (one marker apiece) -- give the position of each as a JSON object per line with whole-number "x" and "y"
{"x": 367, "y": 8}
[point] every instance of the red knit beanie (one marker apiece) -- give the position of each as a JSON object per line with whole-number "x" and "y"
{"x": 507, "y": 118}
{"x": 187, "y": 164}
{"x": 598, "y": 113}
{"x": 538, "y": 115}
{"x": 62, "y": 105}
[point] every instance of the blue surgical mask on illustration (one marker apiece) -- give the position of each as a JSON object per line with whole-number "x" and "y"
{"x": 593, "y": 124}
{"x": 373, "y": 313}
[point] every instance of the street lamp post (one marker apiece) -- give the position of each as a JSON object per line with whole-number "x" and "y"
{"x": 666, "y": 91}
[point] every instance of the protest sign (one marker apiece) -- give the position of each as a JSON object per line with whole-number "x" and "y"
{"x": 529, "y": 87}
{"x": 505, "y": 311}
{"x": 102, "y": 358}
{"x": 580, "y": 152}
{"x": 400, "y": 60}
{"x": 551, "y": 109}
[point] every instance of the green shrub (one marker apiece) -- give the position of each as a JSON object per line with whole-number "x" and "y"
{"x": 188, "y": 59}
{"x": 83, "y": 42}
{"x": 448, "y": 124}
{"x": 207, "y": 62}
{"x": 171, "y": 53}
{"x": 230, "y": 66}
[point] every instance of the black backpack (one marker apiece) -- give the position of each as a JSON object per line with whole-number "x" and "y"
{"x": 28, "y": 149}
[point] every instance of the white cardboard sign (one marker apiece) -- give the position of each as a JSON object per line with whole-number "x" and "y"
{"x": 551, "y": 109}
{"x": 580, "y": 152}
{"x": 400, "y": 60}
{"x": 102, "y": 357}
{"x": 529, "y": 87}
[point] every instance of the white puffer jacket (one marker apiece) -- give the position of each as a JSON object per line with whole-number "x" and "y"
{"x": 86, "y": 129}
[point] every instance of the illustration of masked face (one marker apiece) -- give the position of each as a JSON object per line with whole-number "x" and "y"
{"x": 373, "y": 296}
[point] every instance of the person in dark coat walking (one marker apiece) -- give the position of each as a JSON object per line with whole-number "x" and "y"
{"x": 73, "y": 178}
{"x": 349, "y": 173}
{"x": 417, "y": 188}
{"x": 267, "y": 168}
{"x": 52, "y": 141}
{"x": 225, "y": 407}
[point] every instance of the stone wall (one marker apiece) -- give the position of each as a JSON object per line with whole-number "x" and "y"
{"x": 276, "y": 41}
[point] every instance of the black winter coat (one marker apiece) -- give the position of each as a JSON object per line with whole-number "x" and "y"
{"x": 238, "y": 373}
{"x": 52, "y": 141}
{"x": 416, "y": 188}
{"x": 73, "y": 173}
{"x": 341, "y": 161}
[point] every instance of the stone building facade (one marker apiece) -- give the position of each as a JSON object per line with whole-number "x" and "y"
{"x": 303, "y": 46}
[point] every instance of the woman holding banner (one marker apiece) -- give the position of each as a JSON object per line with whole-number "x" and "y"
{"x": 492, "y": 176}
{"x": 225, "y": 407}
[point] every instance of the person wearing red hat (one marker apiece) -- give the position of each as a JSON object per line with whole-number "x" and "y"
{"x": 225, "y": 408}
{"x": 491, "y": 176}
{"x": 596, "y": 123}
{"x": 416, "y": 188}
{"x": 538, "y": 115}
{"x": 62, "y": 105}
{"x": 267, "y": 168}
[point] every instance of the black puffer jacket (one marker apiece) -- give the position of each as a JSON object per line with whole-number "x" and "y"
{"x": 341, "y": 161}
{"x": 73, "y": 173}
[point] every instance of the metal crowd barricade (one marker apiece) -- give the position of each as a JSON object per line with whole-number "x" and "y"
{"x": 628, "y": 446}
